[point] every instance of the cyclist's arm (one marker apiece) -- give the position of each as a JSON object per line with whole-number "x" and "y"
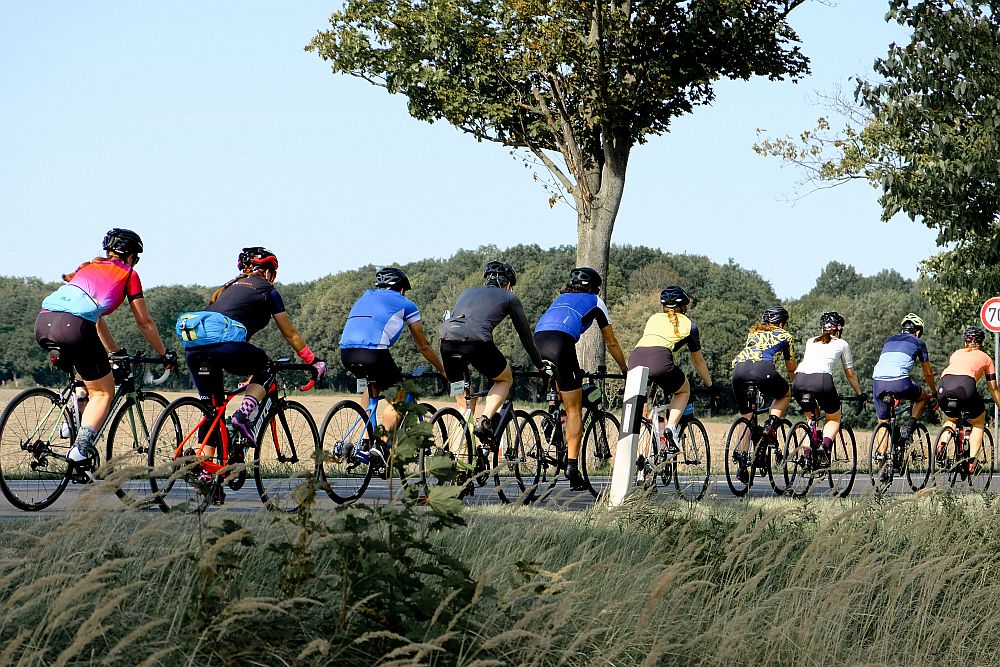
{"x": 146, "y": 325}
{"x": 289, "y": 332}
{"x": 107, "y": 340}
{"x": 424, "y": 347}
{"x": 614, "y": 349}
{"x": 929, "y": 376}
{"x": 852, "y": 378}
{"x": 994, "y": 391}
{"x": 791, "y": 366}
{"x": 698, "y": 359}
{"x": 524, "y": 332}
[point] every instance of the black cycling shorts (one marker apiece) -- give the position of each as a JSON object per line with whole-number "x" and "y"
{"x": 821, "y": 386}
{"x": 80, "y": 347}
{"x": 660, "y": 363}
{"x": 375, "y": 366}
{"x": 904, "y": 389}
{"x": 208, "y": 362}
{"x": 481, "y": 355}
{"x": 962, "y": 388}
{"x": 761, "y": 373}
{"x": 560, "y": 348}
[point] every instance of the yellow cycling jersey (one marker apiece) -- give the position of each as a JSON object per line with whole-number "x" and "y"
{"x": 765, "y": 346}
{"x": 660, "y": 332}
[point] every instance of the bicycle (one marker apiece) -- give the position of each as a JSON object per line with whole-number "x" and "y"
{"x": 802, "y": 470}
{"x": 515, "y": 473}
{"x": 599, "y": 442}
{"x": 688, "y": 466}
{"x": 39, "y": 426}
{"x": 349, "y": 433}
{"x": 890, "y": 455}
{"x": 952, "y": 455}
{"x": 746, "y": 444}
{"x": 185, "y": 476}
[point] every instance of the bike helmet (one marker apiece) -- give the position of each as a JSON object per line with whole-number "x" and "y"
{"x": 974, "y": 335}
{"x": 774, "y": 315}
{"x": 585, "y": 279}
{"x": 912, "y": 324}
{"x": 122, "y": 242}
{"x": 256, "y": 257}
{"x": 390, "y": 277}
{"x": 499, "y": 274}
{"x": 832, "y": 321}
{"x": 674, "y": 296}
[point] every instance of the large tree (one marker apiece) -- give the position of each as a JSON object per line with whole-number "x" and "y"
{"x": 576, "y": 84}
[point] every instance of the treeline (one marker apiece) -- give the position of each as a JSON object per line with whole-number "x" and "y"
{"x": 729, "y": 298}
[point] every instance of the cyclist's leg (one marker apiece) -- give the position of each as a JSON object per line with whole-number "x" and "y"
{"x": 489, "y": 361}
{"x": 976, "y": 435}
{"x": 244, "y": 359}
{"x": 206, "y": 373}
{"x": 668, "y": 377}
{"x": 560, "y": 348}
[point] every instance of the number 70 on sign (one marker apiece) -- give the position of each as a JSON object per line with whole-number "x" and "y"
{"x": 990, "y": 314}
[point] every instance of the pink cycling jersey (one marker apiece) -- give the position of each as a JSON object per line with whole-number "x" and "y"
{"x": 106, "y": 282}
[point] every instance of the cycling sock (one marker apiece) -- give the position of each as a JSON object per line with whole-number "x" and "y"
{"x": 770, "y": 424}
{"x": 572, "y": 464}
{"x": 84, "y": 442}
{"x": 827, "y": 443}
{"x": 248, "y": 406}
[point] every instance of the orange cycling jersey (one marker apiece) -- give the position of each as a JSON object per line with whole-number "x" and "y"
{"x": 971, "y": 362}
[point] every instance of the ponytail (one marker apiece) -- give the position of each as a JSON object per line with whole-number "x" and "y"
{"x": 672, "y": 316}
{"x": 217, "y": 293}
{"x": 69, "y": 276}
{"x": 824, "y": 337}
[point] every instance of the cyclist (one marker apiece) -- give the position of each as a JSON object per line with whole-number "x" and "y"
{"x": 958, "y": 381}
{"x": 467, "y": 338}
{"x": 665, "y": 334}
{"x": 72, "y": 319}
{"x": 247, "y": 303}
{"x": 755, "y": 365}
{"x": 892, "y": 371}
{"x": 556, "y": 334}
{"x": 815, "y": 376}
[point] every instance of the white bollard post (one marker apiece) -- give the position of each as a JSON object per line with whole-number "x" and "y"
{"x": 623, "y": 473}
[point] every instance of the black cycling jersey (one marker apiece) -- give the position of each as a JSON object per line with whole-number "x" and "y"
{"x": 251, "y": 301}
{"x": 477, "y": 313}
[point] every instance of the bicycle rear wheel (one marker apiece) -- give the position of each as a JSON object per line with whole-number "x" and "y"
{"x": 347, "y": 438}
{"x": 880, "y": 454}
{"x": 597, "y": 454}
{"x": 693, "y": 465}
{"x": 917, "y": 458}
{"x": 797, "y": 466}
{"x": 173, "y": 459}
{"x": 739, "y": 454}
{"x": 946, "y": 457}
{"x": 776, "y": 457}
{"x": 843, "y": 463}
{"x": 33, "y": 449}
{"x": 550, "y": 435}
{"x": 982, "y": 473}
{"x": 515, "y": 471}
{"x": 284, "y": 459}
{"x": 127, "y": 449}
{"x": 449, "y": 457}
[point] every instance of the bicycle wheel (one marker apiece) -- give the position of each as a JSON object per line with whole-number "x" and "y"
{"x": 127, "y": 449}
{"x": 175, "y": 455}
{"x": 645, "y": 457}
{"x": 285, "y": 456}
{"x": 880, "y": 464}
{"x": 33, "y": 470}
{"x": 597, "y": 454}
{"x": 917, "y": 459}
{"x": 347, "y": 438}
{"x": 550, "y": 435}
{"x": 946, "y": 456}
{"x": 739, "y": 444}
{"x": 693, "y": 465}
{"x": 448, "y": 459}
{"x": 776, "y": 457}
{"x": 797, "y": 466}
{"x": 982, "y": 474}
{"x": 843, "y": 463}
{"x": 514, "y": 470}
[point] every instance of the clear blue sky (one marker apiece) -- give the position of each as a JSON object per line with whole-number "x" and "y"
{"x": 206, "y": 127}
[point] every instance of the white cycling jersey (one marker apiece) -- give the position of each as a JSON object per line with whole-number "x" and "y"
{"x": 820, "y": 357}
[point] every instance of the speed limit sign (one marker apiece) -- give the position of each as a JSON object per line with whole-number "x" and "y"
{"x": 990, "y": 314}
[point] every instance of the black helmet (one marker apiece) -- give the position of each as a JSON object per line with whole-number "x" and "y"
{"x": 974, "y": 335}
{"x": 912, "y": 324}
{"x": 585, "y": 279}
{"x": 774, "y": 315}
{"x": 256, "y": 257}
{"x": 674, "y": 296}
{"x": 122, "y": 242}
{"x": 389, "y": 277}
{"x": 832, "y": 321}
{"x": 500, "y": 274}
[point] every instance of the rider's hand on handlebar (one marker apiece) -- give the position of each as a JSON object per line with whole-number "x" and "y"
{"x": 120, "y": 354}
{"x": 320, "y": 367}
{"x": 170, "y": 360}
{"x": 715, "y": 391}
{"x": 548, "y": 368}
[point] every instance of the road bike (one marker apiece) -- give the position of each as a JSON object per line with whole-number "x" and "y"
{"x": 687, "y": 465}
{"x": 749, "y": 450}
{"x": 806, "y": 460}
{"x": 39, "y": 426}
{"x": 952, "y": 454}
{"x": 193, "y": 452}
{"x": 890, "y": 455}
{"x": 353, "y": 452}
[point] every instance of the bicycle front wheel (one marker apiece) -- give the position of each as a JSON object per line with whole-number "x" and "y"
{"x": 880, "y": 458}
{"x": 551, "y": 447}
{"x": 515, "y": 459}
{"x": 128, "y": 446}
{"x": 33, "y": 449}
{"x": 946, "y": 456}
{"x": 776, "y": 457}
{"x": 347, "y": 438}
{"x": 448, "y": 459}
{"x": 693, "y": 465}
{"x": 982, "y": 472}
{"x": 843, "y": 463}
{"x": 798, "y": 466}
{"x": 738, "y": 458}
{"x": 917, "y": 458}
{"x": 174, "y": 457}
{"x": 284, "y": 459}
{"x": 597, "y": 454}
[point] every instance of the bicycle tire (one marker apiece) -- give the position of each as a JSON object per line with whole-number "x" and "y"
{"x": 513, "y": 472}
{"x": 533, "y": 445}
{"x": 775, "y": 458}
{"x": 347, "y": 437}
{"x": 693, "y": 465}
{"x": 449, "y": 452}
{"x": 32, "y": 477}
{"x": 880, "y": 455}
{"x": 843, "y": 462}
{"x": 917, "y": 458}
{"x": 598, "y": 450}
{"x": 127, "y": 446}
{"x": 172, "y": 467}
{"x": 551, "y": 454}
{"x": 946, "y": 455}
{"x": 798, "y": 475}
{"x": 739, "y": 443}
{"x": 285, "y": 456}
{"x": 981, "y": 478}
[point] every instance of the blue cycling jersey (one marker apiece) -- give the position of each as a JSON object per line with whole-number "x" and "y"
{"x": 898, "y": 356}
{"x": 573, "y": 313}
{"x": 377, "y": 320}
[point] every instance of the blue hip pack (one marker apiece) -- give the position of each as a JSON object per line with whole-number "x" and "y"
{"x": 204, "y": 327}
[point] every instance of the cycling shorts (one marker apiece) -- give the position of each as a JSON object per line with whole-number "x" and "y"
{"x": 904, "y": 389}
{"x": 481, "y": 355}
{"x": 374, "y": 365}
{"x": 208, "y": 362}
{"x": 821, "y": 386}
{"x": 560, "y": 348}
{"x": 80, "y": 347}
{"x": 660, "y": 363}
{"x": 761, "y": 373}
{"x": 963, "y": 389}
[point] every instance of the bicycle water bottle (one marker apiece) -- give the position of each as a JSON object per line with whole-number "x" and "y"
{"x": 689, "y": 410}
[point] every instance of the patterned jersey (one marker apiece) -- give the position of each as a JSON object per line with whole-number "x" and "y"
{"x": 660, "y": 332}
{"x": 765, "y": 346}
{"x": 899, "y": 354}
{"x": 377, "y": 319}
{"x": 251, "y": 301}
{"x": 971, "y": 362}
{"x": 573, "y": 313}
{"x": 97, "y": 288}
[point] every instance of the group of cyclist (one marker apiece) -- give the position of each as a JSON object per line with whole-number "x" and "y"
{"x": 216, "y": 340}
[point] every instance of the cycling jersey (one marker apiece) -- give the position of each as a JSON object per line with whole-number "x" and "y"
{"x": 661, "y": 332}
{"x": 573, "y": 313}
{"x": 971, "y": 362}
{"x": 898, "y": 356}
{"x": 97, "y": 289}
{"x": 251, "y": 301}
{"x": 820, "y": 357}
{"x": 765, "y": 346}
{"x": 479, "y": 310}
{"x": 377, "y": 320}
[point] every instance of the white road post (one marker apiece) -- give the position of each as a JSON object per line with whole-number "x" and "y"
{"x": 623, "y": 473}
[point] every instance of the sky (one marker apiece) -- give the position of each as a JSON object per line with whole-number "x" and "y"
{"x": 206, "y": 127}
